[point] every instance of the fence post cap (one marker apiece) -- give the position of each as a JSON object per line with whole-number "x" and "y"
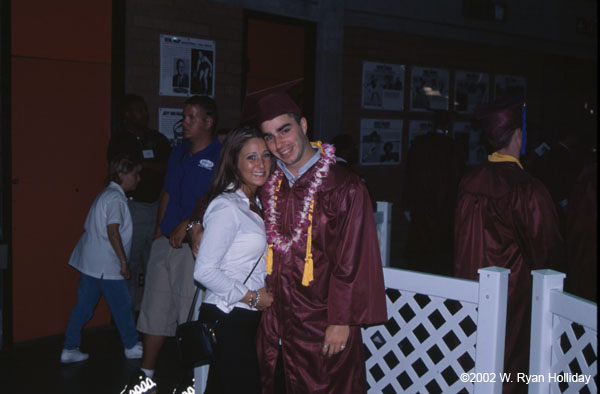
{"x": 548, "y": 272}
{"x": 494, "y": 270}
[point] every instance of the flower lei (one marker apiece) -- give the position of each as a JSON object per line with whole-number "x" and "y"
{"x": 283, "y": 243}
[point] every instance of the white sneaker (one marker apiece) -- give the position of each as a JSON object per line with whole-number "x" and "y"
{"x": 134, "y": 352}
{"x": 140, "y": 384}
{"x": 72, "y": 356}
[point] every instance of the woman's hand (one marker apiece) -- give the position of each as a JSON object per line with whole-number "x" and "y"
{"x": 265, "y": 300}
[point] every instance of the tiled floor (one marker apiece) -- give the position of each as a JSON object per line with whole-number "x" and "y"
{"x": 34, "y": 367}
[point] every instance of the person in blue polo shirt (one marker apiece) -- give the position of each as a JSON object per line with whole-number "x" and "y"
{"x": 169, "y": 287}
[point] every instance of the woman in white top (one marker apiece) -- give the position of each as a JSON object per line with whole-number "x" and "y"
{"x": 231, "y": 264}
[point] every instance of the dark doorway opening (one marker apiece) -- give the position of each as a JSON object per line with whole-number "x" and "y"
{"x": 279, "y": 54}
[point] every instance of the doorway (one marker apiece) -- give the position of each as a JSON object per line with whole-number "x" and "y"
{"x": 279, "y": 55}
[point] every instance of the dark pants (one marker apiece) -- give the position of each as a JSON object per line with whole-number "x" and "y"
{"x": 234, "y": 368}
{"x": 88, "y": 293}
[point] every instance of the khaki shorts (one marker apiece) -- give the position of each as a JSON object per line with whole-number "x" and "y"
{"x": 169, "y": 289}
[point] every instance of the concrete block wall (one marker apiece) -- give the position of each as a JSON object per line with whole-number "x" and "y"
{"x": 146, "y": 21}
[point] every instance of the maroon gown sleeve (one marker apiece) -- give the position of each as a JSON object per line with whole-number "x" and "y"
{"x": 537, "y": 227}
{"x": 356, "y": 287}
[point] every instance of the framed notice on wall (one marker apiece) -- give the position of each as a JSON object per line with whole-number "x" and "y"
{"x": 429, "y": 88}
{"x": 509, "y": 86}
{"x": 417, "y": 128}
{"x": 187, "y": 66}
{"x": 471, "y": 137}
{"x": 380, "y": 141}
{"x": 170, "y": 124}
{"x": 383, "y": 86}
{"x": 471, "y": 89}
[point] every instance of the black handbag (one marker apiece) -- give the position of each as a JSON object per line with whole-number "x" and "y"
{"x": 196, "y": 340}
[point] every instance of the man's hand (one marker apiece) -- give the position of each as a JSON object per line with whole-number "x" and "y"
{"x": 125, "y": 273}
{"x": 178, "y": 234}
{"x": 157, "y": 233}
{"x": 335, "y": 341}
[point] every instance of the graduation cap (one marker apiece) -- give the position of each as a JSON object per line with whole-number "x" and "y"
{"x": 268, "y": 103}
{"x": 500, "y": 119}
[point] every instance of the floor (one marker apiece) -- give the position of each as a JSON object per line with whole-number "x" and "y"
{"x": 34, "y": 367}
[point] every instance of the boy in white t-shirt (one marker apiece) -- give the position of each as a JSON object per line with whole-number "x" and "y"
{"x": 101, "y": 257}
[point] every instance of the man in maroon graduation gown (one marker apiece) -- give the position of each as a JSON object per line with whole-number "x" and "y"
{"x": 329, "y": 280}
{"x": 506, "y": 218}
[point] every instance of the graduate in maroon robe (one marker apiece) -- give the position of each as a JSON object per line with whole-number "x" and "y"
{"x": 433, "y": 169}
{"x": 324, "y": 262}
{"x": 582, "y": 235}
{"x": 506, "y": 218}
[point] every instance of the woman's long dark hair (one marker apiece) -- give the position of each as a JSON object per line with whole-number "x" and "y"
{"x": 227, "y": 172}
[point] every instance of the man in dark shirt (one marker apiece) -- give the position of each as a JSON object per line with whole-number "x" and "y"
{"x": 433, "y": 169}
{"x": 152, "y": 149}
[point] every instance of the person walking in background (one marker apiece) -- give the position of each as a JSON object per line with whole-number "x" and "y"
{"x": 323, "y": 265}
{"x": 169, "y": 287}
{"x": 506, "y": 218}
{"x": 231, "y": 264}
{"x": 152, "y": 149}
{"x": 101, "y": 257}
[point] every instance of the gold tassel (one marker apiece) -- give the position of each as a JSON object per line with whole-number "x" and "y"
{"x": 308, "y": 275}
{"x": 269, "y": 259}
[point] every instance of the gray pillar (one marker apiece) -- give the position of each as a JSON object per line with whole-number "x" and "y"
{"x": 329, "y": 70}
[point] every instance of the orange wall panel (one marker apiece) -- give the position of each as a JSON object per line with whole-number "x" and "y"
{"x": 60, "y": 77}
{"x": 62, "y": 29}
{"x": 60, "y": 130}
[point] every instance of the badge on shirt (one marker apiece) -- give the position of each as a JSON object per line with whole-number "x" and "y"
{"x": 148, "y": 153}
{"x": 205, "y": 163}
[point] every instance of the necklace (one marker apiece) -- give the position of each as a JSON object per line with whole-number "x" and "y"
{"x": 283, "y": 243}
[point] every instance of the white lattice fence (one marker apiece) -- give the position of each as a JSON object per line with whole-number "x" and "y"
{"x": 564, "y": 338}
{"x": 438, "y": 329}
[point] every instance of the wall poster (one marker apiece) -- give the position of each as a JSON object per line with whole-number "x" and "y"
{"x": 383, "y": 86}
{"x": 380, "y": 141}
{"x": 187, "y": 66}
{"x": 509, "y": 86}
{"x": 464, "y": 132}
{"x": 417, "y": 128}
{"x": 170, "y": 122}
{"x": 471, "y": 89}
{"x": 429, "y": 88}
